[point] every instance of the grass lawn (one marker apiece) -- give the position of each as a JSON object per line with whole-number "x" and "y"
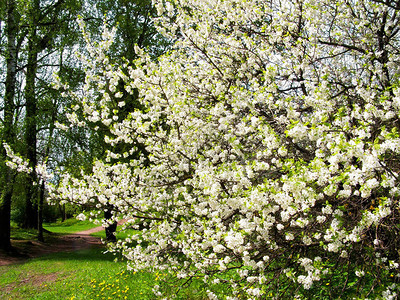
{"x": 69, "y": 226}
{"x": 84, "y": 274}
{"x": 119, "y": 234}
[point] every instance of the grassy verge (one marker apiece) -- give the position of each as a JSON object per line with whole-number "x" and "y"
{"x": 18, "y": 233}
{"x": 73, "y": 225}
{"x": 119, "y": 234}
{"x": 69, "y": 226}
{"x": 85, "y": 274}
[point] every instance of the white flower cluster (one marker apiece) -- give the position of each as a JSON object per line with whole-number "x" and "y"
{"x": 271, "y": 138}
{"x": 16, "y": 163}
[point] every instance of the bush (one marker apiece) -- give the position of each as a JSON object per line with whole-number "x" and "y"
{"x": 271, "y": 136}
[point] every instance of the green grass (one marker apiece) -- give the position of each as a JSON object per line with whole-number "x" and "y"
{"x": 85, "y": 274}
{"x": 23, "y": 234}
{"x": 69, "y": 226}
{"x": 73, "y": 225}
{"x": 119, "y": 234}
{"x": 18, "y": 233}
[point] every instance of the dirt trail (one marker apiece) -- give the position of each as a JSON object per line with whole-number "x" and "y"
{"x": 72, "y": 242}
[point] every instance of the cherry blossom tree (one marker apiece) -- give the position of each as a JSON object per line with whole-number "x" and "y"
{"x": 271, "y": 136}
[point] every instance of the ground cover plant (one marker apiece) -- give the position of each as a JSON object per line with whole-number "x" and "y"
{"x": 264, "y": 152}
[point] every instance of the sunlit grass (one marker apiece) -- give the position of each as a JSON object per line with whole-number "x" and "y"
{"x": 69, "y": 226}
{"x": 85, "y": 274}
{"x": 119, "y": 234}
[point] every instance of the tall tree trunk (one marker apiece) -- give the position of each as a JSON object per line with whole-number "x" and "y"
{"x": 31, "y": 195}
{"x": 7, "y": 174}
{"x": 43, "y": 184}
{"x": 40, "y": 212}
{"x": 61, "y": 208}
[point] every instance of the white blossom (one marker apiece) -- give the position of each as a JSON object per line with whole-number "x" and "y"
{"x": 266, "y": 128}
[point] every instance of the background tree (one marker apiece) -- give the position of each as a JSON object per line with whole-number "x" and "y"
{"x": 8, "y": 121}
{"x": 48, "y": 27}
{"x": 40, "y": 32}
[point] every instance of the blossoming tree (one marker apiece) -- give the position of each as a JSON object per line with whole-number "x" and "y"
{"x": 272, "y": 143}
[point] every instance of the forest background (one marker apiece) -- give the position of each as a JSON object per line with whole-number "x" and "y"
{"x": 39, "y": 39}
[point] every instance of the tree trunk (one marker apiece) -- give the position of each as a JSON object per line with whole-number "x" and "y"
{"x": 111, "y": 229}
{"x": 5, "y": 213}
{"x": 40, "y": 212}
{"x": 43, "y": 182}
{"x": 31, "y": 195}
{"x": 6, "y": 173}
{"x": 61, "y": 208}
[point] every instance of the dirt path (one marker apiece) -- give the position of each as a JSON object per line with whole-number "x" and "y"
{"x": 27, "y": 249}
{"x": 56, "y": 243}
